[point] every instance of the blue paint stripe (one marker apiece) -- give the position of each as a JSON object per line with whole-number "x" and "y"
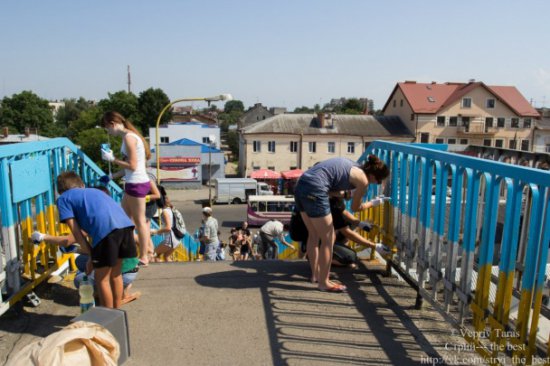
{"x": 533, "y": 241}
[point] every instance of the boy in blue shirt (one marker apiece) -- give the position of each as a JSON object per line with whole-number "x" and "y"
{"x": 111, "y": 231}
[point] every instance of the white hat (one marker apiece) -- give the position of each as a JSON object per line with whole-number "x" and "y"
{"x": 207, "y": 210}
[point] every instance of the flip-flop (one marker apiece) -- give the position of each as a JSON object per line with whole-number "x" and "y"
{"x": 143, "y": 264}
{"x": 336, "y": 288}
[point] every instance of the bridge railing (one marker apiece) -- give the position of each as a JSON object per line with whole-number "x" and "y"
{"x": 28, "y": 173}
{"x": 473, "y": 236}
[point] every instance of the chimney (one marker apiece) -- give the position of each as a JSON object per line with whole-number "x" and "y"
{"x": 321, "y": 119}
{"x": 27, "y": 131}
{"x": 5, "y": 132}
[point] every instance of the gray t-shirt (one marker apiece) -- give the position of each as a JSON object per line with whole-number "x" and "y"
{"x": 330, "y": 175}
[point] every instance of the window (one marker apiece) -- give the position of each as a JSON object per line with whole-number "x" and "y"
{"x": 271, "y": 146}
{"x": 514, "y": 122}
{"x": 312, "y": 146}
{"x": 525, "y": 145}
{"x": 271, "y": 167}
{"x": 412, "y": 116}
{"x": 401, "y": 103}
{"x": 463, "y": 141}
{"x": 439, "y": 140}
{"x": 486, "y": 142}
{"x": 548, "y": 148}
{"x": 466, "y": 123}
{"x": 431, "y": 100}
{"x": 527, "y": 123}
{"x": 351, "y": 148}
{"x": 466, "y": 102}
{"x": 293, "y": 146}
{"x": 164, "y": 140}
{"x": 488, "y": 122}
{"x": 424, "y": 137}
{"x": 499, "y": 142}
{"x": 367, "y": 146}
{"x": 451, "y": 141}
{"x": 501, "y": 122}
{"x": 440, "y": 121}
{"x": 256, "y": 146}
{"x": 206, "y": 140}
{"x": 394, "y": 103}
{"x": 490, "y": 103}
{"x": 331, "y": 147}
{"x": 453, "y": 121}
{"x": 512, "y": 144}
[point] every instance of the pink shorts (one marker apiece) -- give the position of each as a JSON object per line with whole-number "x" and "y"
{"x": 139, "y": 190}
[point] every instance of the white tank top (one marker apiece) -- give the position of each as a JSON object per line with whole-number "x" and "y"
{"x": 140, "y": 174}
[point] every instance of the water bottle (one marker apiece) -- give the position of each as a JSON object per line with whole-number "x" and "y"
{"x": 86, "y": 292}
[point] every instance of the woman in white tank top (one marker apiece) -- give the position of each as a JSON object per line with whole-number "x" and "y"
{"x": 135, "y": 151}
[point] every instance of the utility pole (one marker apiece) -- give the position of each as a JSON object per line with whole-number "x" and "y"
{"x": 129, "y": 80}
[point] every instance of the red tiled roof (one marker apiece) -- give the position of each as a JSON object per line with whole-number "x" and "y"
{"x": 428, "y": 98}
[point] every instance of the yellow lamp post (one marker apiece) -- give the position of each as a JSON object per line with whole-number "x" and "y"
{"x": 217, "y": 98}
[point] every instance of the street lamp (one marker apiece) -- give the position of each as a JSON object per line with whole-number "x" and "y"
{"x": 216, "y": 98}
{"x": 211, "y": 140}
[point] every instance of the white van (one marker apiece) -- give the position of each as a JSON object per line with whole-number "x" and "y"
{"x": 237, "y": 190}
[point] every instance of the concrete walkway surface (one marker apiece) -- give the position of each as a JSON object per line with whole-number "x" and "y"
{"x": 258, "y": 313}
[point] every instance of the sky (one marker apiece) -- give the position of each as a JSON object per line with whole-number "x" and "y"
{"x": 284, "y": 53}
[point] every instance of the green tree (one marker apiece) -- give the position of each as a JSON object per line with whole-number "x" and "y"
{"x": 71, "y": 111}
{"x": 303, "y": 109}
{"x": 90, "y": 141}
{"x": 228, "y": 119}
{"x": 26, "y": 109}
{"x": 353, "y": 106}
{"x": 124, "y": 103}
{"x": 87, "y": 120}
{"x": 233, "y": 143}
{"x": 150, "y": 104}
{"x": 233, "y": 106}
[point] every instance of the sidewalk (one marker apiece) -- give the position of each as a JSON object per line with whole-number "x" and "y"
{"x": 262, "y": 313}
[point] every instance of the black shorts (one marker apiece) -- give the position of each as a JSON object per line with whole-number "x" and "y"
{"x": 118, "y": 244}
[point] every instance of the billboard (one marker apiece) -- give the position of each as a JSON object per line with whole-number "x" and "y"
{"x": 178, "y": 169}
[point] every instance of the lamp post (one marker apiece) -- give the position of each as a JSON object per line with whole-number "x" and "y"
{"x": 217, "y": 98}
{"x": 211, "y": 140}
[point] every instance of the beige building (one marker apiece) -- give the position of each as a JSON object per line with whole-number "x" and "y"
{"x": 289, "y": 141}
{"x": 461, "y": 114}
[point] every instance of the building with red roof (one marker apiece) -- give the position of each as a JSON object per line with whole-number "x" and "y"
{"x": 462, "y": 114}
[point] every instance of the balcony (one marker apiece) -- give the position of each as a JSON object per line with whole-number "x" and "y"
{"x": 476, "y": 128}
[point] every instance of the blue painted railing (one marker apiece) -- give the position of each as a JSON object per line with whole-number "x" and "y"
{"x": 28, "y": 173}
{"x": 473, "y": 235}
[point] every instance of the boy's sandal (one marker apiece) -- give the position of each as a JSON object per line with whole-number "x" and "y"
{"x": 337, "y": 288}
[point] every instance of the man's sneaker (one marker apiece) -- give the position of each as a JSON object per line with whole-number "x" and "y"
{"x": 382, "y": 249}
{"x": 37, "y": 237}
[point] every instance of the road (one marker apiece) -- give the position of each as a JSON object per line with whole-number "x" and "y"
{"x": 189, "y": 203}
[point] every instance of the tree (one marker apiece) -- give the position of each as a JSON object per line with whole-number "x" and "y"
{"x": 71, "y": 111}
{"x": 87, "y": 120}
{"x": 124, "y": 103}
{"x": 90, "y": 141}
{"x": 233, "y": 143}
{"x": 26, "y": 109}
{"x": 353, "y": 106}
{"x": 303, "y": 109}
{"x": 233, "y": 106}
{"x": 150, "y": 104}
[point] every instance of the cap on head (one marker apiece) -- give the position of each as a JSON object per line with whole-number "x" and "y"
{"x": 207, "y": 210}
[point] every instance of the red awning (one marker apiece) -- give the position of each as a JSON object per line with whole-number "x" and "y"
{"x": 292, "y": 174}
{"x": 265, "y": 174}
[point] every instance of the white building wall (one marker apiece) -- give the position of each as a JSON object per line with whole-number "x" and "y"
{"x": 193, "y": 131}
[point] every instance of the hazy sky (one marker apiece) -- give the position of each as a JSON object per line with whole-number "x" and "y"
{"x": 280, "y": 53}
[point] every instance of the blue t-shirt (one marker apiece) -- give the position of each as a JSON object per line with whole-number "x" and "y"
{"x": 330, "y": 175}
{"x": 96, "y": 212}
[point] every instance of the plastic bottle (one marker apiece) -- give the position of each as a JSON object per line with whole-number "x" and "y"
{"x": 86, "y": 292}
